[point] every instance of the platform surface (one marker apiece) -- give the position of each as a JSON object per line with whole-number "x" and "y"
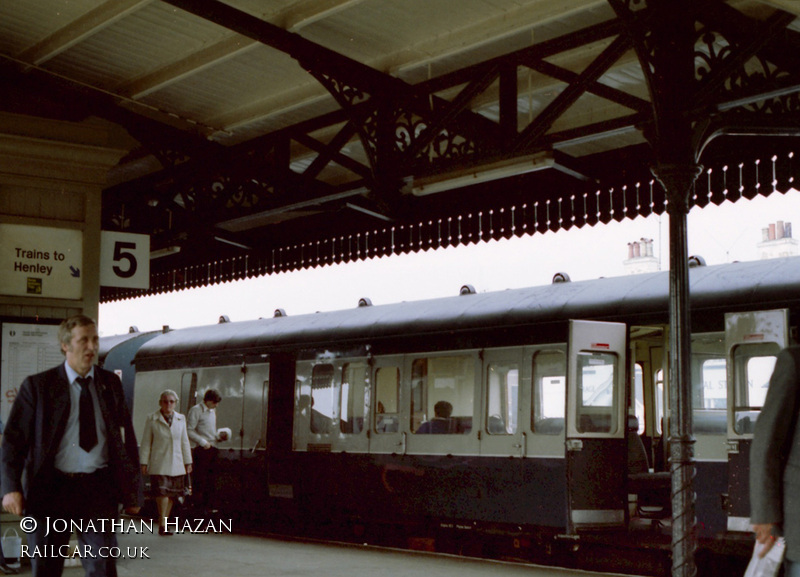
{"x": 234, "y": 555}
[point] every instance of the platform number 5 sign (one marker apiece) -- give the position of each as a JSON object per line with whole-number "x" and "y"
{"x": 124, "y": 260}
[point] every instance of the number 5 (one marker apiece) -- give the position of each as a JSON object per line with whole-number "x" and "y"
{"x": 121, "y": 254}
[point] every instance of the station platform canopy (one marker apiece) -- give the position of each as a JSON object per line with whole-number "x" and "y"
{"x": 274, "y": 136}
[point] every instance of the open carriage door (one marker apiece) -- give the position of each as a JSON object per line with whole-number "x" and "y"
{"x": 595, "y": 448}
{"x": 752, "y": 343}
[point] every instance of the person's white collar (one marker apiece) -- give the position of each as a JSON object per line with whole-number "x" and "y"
{"x": 72, "y": 374}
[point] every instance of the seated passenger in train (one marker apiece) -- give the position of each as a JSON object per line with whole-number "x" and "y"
{"x": 319, "y": 423}
{"x": 440, "y": 423}
{"x": 385, "y": 423}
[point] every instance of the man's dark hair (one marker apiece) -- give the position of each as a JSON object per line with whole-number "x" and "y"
{"x": 212, "y": 395}
{"x": 443, "y": 409}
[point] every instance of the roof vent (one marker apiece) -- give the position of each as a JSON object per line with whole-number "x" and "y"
{"x": 364, "y": 302}
{"x": 696, "y": 260}
{"x": 224, "y": 319}
{"x": 467, "y": 289}
{"x": 560, "y": 277}
{"x": 165, "y": 329}
{"x": 279, "y": 313}
{"x": 133, "y": 329}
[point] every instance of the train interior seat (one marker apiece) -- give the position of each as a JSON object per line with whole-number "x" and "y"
{"x": 496, "y": 425}
{"x": 595, "y": 423}
{"x": 709, "y": 421}
{"x": 461, "y": 425}
{"x": 387, "y": 423}
{"x": 746, "y": 421}
{"x": 652, "y": 490}
{"x": 550, "y": 426}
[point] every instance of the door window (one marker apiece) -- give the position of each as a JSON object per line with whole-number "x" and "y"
{"x": 597, "y": 400}
{"x": 387, "y": 395}
{"x": 502, "y": 390}
{"x": 549, "y": 392}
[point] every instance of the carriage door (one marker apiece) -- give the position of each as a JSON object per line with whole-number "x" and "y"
{"x": 752, "y": 343}
{"x": 595, "y": 448}
{"x": 387, "y": 432}
{"x": 501, "y": 430}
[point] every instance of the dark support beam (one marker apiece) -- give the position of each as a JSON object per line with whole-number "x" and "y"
{"x": 677, "y": 181}
{"x": 672, "y": 47}
{"x": 737, "y": 28}
{"x": 597, "y": 88}
{"x": 331, "y": 151}
{"x": 762, "y": 35}
{"x": 570, "y": 165}
{"x": 310, "y": 55}
{"x": 452, "y": 110}
{"x": 574, "y": 91}
{"x": 509, "y": 106}
{"x": 540, "y": 51}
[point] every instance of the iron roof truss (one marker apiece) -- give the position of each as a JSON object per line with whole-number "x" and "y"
{"x": 252, "y": 208}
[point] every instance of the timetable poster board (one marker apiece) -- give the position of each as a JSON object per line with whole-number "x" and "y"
{"x": 39, "y": 261}
{"x": 26, "y": 350}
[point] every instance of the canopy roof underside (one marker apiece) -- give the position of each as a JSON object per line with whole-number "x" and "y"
{"x": 269, "y": 137}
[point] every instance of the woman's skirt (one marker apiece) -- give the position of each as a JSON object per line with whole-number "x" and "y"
{"x": 167, "y": 486}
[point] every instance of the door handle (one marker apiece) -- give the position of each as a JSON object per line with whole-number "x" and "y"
{"x": 574, "y": 445}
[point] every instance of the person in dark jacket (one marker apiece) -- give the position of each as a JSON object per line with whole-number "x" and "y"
{"x": 775, "y": 462}
{"x": 70, "y": 436}
{"x": 440, "y": 424}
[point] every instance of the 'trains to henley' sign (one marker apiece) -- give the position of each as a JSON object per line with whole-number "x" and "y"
{"x": 39, "y": 261}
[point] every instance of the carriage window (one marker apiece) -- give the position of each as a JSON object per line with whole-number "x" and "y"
{"x": 442, "y": 394}
{"x": 387, "y": 391}
{"x": 322, "y": 399}
{"x": 354, "y": 395}
{"x": 659, "y": 377}
{"x": 753, "y": 365}
{"x": 502, "y": 387}
{"x": 596, "y": 392}
{"x": 549, "y": 392}
{"x": 638, "y": 396}
{"x": 709, "y": 384}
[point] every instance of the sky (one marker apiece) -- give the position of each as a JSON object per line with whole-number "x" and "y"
{"x": 720, "y": 234}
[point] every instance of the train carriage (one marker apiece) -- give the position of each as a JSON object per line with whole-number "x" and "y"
{"x": 557, "y": 432}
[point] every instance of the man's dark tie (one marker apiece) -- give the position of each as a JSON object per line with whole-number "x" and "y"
{"x": 88, "y": 434}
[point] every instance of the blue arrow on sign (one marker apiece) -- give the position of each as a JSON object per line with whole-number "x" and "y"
{"x": 76, "y": 272}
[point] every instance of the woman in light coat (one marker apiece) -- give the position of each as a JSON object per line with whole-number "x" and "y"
{"x": 165, "y": 455}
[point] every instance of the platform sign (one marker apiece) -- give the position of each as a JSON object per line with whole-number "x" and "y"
{"x": 124, "y": 260}
{"x": 27, "y": 349}
{"x": 38, "y": 261}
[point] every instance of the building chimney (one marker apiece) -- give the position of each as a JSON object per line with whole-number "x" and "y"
{"x": 640, "y": 257}
{"x": 777, "y": 241}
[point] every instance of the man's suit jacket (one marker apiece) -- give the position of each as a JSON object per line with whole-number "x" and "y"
{"x": 165, "y": 449}
{"x": 37, "y": 423}
{"x": 775, "y": 454}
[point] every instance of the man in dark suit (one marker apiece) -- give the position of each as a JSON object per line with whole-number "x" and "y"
{"x": 71, "y": 434}
{"x": 775, "y": 462}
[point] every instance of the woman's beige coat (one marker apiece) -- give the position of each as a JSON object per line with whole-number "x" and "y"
{"x": 165, "y": 450}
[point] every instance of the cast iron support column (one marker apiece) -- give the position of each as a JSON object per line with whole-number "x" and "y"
{"x": 677, "y": 181}
{"x": 670, "y": 55}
